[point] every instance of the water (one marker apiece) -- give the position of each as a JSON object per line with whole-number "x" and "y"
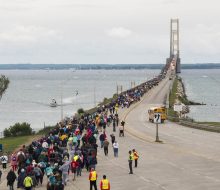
{"x": 30, "y": 92}
{"x": 203, "y": 86}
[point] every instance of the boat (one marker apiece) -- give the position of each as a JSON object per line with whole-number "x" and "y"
{"x": 53, "y": 103}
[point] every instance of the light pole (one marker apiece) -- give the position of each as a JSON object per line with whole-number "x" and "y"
{"x": 61, "y": 102}
{"x": 94, "y": 96}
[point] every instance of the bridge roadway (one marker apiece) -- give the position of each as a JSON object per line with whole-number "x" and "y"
{"x": 187, "y": 159}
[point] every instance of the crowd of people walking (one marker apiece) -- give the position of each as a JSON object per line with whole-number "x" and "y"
{"x": 72, "y": 146}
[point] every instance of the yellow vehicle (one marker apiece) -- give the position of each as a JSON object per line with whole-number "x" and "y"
{"x": 153, "y": 110}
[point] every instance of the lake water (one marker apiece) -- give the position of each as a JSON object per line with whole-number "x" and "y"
{"x": 30, "y": 92}
{"x": 203, "y": 86}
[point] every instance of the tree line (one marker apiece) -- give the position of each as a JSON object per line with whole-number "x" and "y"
{"x": 18, "y": 129}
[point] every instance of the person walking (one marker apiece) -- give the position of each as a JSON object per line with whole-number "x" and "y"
{"x": 117, "y": 119}
{"x": 11, "y": 177}
{"x": 112, "y": 138}
{"x": 123, "y": 127}
{"x": 38, "y": 174}
{"x": 4, "y": 161}
{"x": 21, "y": 177}
{"x": 102, "y": 139}
{"x": 121, "y": 131}
{"x": 130, "y": 160}
{"x": 105, "y": 145}
{"x": 114, "y": 124}
{"x": 93, "y": 178}
{"x": 136, "y": 157}
{"x": 28, "y": 183}
{"x": 14, "y": 162}
{"x": 115, "y": 148}
{"x": 65, "y": 170}
{"x": 104, "y": 184}
{"x": 74, "y": 166}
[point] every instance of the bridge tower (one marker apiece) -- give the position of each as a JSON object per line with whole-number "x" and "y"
{"x": 174, "y": 43}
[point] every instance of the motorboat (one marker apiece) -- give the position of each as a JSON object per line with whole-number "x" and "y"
{"x": 53, "y": 103}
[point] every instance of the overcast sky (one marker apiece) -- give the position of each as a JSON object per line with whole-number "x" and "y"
{"x": 107, "y": 31}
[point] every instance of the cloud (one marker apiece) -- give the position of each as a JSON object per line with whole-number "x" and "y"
{"x": 21, "y": 34}
{"x": 119, "y": 32}
{"x": 85, "y": 31}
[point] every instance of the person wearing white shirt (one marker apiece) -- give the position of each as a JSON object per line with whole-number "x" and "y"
{"x": 115, "y": 148}
{"x": 4, "y": 161}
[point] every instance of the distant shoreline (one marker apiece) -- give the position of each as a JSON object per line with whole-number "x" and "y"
{"x": 75, "y": 67}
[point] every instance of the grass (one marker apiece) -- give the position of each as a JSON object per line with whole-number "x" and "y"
{"x": 45, "y": 130}
{"x": 173, "y": 92}
{"x": 12, "y": 143}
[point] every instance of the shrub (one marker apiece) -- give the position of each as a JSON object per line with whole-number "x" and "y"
{"x": 7, "y": 133}
{"x": 4, "y": 82}
{"x": 18, "y": 129}
{"x": 80, "y": 111}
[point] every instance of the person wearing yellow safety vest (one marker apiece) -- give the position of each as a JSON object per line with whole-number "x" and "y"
{"x": 28, "y": 183}
{"x": 104, "y": 184}
{"x": 93, "y": 178}
{"x": 130, "y": 159}
{"x": 136, "y": 157}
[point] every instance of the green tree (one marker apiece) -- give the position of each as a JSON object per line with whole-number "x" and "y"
{"x": 4, "y": 82}
{"x": 18, "y": 129}
{"x": 7, "y": 133}
{"x": 80, "y": 111}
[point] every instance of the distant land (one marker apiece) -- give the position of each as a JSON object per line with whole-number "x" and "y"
{"x": 102, "y": 66}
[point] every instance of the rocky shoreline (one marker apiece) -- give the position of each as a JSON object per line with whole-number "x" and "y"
{"x": 182, "y": 97}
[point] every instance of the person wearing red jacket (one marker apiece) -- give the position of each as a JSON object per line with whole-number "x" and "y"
{"x": 104, "y": 183}
{"x": 93, "y": 178}
{"x": 74, "y": 166}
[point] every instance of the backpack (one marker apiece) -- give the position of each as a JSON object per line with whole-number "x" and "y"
{"x": 73, "y": 165}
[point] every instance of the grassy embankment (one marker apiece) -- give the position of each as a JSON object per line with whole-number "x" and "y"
{"x": 12, "y": 143}
{"x": 173, "y": 96}
{"x": 215, "y": 124}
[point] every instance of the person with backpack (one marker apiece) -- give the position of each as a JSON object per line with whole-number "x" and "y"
{"x": 102, "y": 139}
{"x": 21, "y": 158}
{"x": 74, "y": 166}
{"x": 21, "y": 177}
{"x": 28, "y": 183}
{"x": 38, "y": 173}
{"x": 105, "y": 145}
{"x": 11, "y": 177}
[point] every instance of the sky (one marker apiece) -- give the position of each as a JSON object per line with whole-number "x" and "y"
{"x": 107, "y": 31}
